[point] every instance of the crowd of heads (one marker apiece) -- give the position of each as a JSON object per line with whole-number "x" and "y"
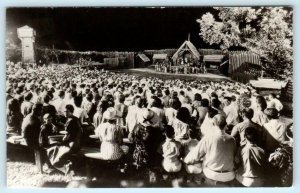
{"x": 175, "y": 99}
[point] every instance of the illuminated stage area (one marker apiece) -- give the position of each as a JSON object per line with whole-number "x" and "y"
{"x": 150, "y": 72}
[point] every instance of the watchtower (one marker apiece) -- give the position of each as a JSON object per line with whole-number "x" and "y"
{"x": 27, "y": 36}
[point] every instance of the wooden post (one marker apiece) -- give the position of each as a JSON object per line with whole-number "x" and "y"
{"x": 88, "y": 169}
{"x": 38, "y": 160}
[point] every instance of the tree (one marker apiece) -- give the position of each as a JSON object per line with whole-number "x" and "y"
{"x": 13, "y": 50}
{"x": 266, "y": 31}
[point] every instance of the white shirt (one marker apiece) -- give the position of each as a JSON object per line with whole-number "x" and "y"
{"x": 231, "y": 114}
{"x": 80, "y": 113}
{"x": 59, "y": 105}
{"x": 277, "y": 133}
{"x": 160, "y": 115}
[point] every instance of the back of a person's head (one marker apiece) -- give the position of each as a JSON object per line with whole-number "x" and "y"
{"x": 13, "y": 105}
{"x": 61, "y": 93}
{"x": 37, "y": 108}
{"x": 87, "y": 91}
{"x": 159, "y": 93}
{"x": 229, "y": 99}
{"x": 212, "y": 112}
{"x": 28, "y": 96}
{"x": 233, "y": 98}
{"x": 251, "y": 134}
{"x": 74, "y": 86}
{"x": 197, "y": 97}
{"x": 19, "y": 90}
{"x": 193, "y": 133}
{"x": 167, "y": 92}
{"x": 214, "y": 95}
{"x": 248, "y": 113}
{"x": 261, "y": 101}
{"x": 73, "y": 93}
{"x": 183, "y": 115}
{"x": 156, "y": 102}
{"x": 271, "y": 113}
{"x": 204, "y": 103}
{"x": 181, "y": 92}
{"x": 103, "y": 105}
{"x": 78, "y": 101}
{"x": 140, "y": 90}
{"x": 90, "y": 97}
{"x": 82, "y": 85}
{"x": 70, "y": 108}
{"x": 46, "y": 99}
{"x": 121, "y": 98}
{"x": 169, "y": 131}
{"x": 220, "y": 121}
{"x": 215, "y": 103}
{"x": 176, "y": 103}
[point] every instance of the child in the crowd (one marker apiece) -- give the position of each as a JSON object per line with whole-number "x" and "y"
{"x": 171, "y": 152}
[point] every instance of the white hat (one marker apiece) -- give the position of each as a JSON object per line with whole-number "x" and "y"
{"x": 147, "y": 114}
{"x": 110, "y": 114}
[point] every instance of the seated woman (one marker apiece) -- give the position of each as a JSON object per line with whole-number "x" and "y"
{"x": 111, "y": 136}
{"x": 122, "y": 110}
{"x": 146, "y": 138}
{"x": 181, "y": 124}
{"x": 98, "y": 117}
{"x": 171, "y": 111}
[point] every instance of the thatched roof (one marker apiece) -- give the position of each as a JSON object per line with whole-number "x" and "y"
{"x": 160, "y": 56}
{"x": 143, "y": 57}
{"x": 187, "y": 45}
{"x": 213, "y": 58}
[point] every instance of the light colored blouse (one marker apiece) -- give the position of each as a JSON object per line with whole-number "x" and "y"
{"x": 111, "y": 137}
{"x": 170, "y": 115}
{"x": 180, "y": 129}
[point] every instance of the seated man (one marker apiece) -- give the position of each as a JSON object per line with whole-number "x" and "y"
{"x": 217, "y": 152}
{"x": 47, "y": 129}
{"x": 59, "y": 154}
{"x": 252, "y": 160}
{"x": 239, "y": 129}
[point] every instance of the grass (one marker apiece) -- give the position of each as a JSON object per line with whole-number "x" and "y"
{"x": 25, "y": 174}
{"x": 22, "y": 172}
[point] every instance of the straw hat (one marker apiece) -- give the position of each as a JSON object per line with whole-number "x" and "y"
{"x": 110, "y": 114}
{"x": 147, "y": 115}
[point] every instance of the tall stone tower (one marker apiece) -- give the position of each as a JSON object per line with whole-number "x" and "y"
{"x": 27, "y": 36}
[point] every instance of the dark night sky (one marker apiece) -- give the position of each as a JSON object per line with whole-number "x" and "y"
{"x": 118, "y": 29}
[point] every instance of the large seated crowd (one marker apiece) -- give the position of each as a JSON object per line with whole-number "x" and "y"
{"x": 223, "y": 131}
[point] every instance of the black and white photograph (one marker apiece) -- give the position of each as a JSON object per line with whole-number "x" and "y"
{"x": 149, "y": 97}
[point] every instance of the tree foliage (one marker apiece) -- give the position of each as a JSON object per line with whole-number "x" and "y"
{"x": 266, "y": 31}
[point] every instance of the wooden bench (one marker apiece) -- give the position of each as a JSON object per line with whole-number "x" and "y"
{"x": 92, "y": 155}
{"x": 86, "y": 152}
{"x": 19, "y": 141}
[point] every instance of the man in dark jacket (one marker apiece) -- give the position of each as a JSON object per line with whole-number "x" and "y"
{"x": 31, "y": 126}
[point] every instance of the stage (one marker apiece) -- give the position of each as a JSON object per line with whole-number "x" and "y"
{"x": 150, "y": 72}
